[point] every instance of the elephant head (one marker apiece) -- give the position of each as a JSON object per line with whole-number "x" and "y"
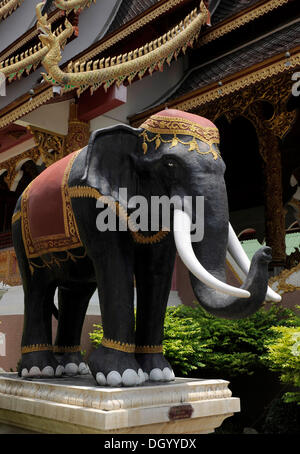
{"x": 177, "y": 153}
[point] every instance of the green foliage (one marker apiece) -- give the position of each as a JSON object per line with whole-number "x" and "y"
{"x": 284, "y": 356}
{"x": 96, "y": 335}
{"x": 193, "y": 339}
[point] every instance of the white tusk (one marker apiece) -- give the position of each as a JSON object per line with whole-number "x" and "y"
{"x": 239, "y": 255}
{"x": 182, "y": 235}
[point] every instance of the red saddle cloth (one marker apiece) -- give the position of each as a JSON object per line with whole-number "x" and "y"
{"x": 48, "y": 223}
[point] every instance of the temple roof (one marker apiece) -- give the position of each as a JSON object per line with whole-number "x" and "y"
{"x": 228, "y": 8}
{"x": 219, "y": 68}
{"x": 128, "y": 10}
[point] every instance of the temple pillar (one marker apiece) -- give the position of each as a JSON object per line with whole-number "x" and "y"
{"x": 78, "y": 131}
{"x": 274, "y": 212}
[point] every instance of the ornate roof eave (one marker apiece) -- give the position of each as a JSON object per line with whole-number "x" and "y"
{"x": 153, "y": 13}
{"x": 44, "y": 93}
{"x": 251, "y": 76}
{"x": 28, "y": 36}
{"x": 7, "y": 7}
{"x": 240, "y": 19}
{"x": 29, "y": 60}
{"x": 125, "y": 67}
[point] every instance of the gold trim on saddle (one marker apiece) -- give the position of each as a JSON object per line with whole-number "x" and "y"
{"x": 36, "y": 348}
{"x": 88, "y": 192}
{"x": 149, "y": 349}
{"x": 117, "y": 345}
{"x": 174, "y": 126}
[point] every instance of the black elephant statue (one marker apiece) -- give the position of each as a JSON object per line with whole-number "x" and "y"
{"x": 59, "y": 245}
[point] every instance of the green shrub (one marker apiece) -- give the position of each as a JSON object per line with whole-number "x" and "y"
{"x": 284, "y": 357}
{"x": 193, "y": 339}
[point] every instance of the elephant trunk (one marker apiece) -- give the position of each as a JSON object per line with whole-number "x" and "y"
{"x": 206, "y": 262}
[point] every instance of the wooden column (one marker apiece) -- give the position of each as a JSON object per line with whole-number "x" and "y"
{"x": 78, "y": 131}
{"x": 274, "y": 213}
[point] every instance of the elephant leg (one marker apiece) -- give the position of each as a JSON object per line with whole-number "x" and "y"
{"x": 72, "y": 302}
{"x": 37, "y": 351}
{"x": 113, "y": 362}
{"x": 153, "y": 271}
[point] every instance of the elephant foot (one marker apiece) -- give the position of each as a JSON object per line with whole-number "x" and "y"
{"x": 39, "y": 365}
{"x": 155, "y": 367}
{"x": 115, "y": 368}
{"x": 72, "y": 364}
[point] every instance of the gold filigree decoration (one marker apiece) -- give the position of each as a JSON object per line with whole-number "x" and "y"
{"x": 13, "y": 165}
{"x": 13, "y": 68}
{"x": 241, "y": 19}
{"x": 55, "y": 260}
{"x": 36, "y": 348}
{"x": 124, "y": 67}
{"x": 117, "y": 345}
{"x": 148, "y": 349}
{"x": 66, "y": 349}
{"x": 87, "y": 192}
{"x": 26, "y": 107}
{"x": 76, "y": 5}
{"x": 282, "y": 285}
{"x": 9, "y": 269}
{"x": 26, "y": 38}
{"x": 7, "y": 7}
{"x": 212, "y": 101}
{"x": 50, "y": 145}
{"x": 177, "y": 126}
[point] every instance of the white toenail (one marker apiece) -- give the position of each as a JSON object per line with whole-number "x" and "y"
{"x": 114, "y": 378}
{"x": 141, "y": 377}
{"x": 83, "y": 369}
{"x": 100, "y": 379}
{"x": 24, "y": 373}
{"x": 34, "y": 371}
{"x": 59, "y": 371}
{"x": 156, "y": 375}
{"x": 48, "y": 371}
{"x": 167, "y": 373}
{"x": 71, "y": 369}
{"x": 130, "y": 377}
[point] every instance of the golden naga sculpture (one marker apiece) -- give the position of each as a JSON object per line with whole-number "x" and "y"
{"x": 68, "y": 5}
{"x": 7, "y": 7}
{"x": 29, "y": 60}
{"x": 107, "y": 71}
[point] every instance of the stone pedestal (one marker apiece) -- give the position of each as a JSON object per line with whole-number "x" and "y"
{"x": 76, "y": 405}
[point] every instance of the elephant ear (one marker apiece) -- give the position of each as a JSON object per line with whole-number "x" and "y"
{"x": 110, "y": 160}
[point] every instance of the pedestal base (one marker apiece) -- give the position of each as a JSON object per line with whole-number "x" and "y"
{"x": 76, "y": 406}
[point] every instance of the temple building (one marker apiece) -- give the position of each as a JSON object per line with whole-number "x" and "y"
{"x": 240, "y": 68}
